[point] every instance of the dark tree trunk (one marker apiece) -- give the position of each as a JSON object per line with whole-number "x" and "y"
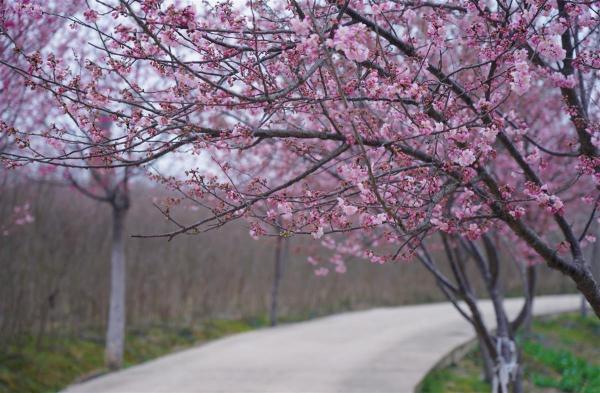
{"x": 47, "y": 307}
{"x": 524, "y": 317}
{"x": 583, "y": 308}
{"x": 280, "y": 245}
{"x": 595, "y": 254}
{"x": 487, "y": 362}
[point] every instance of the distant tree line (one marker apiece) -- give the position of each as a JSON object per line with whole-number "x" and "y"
{"x": 55, "y": 271}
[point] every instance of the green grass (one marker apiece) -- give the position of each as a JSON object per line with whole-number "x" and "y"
{"x": 29, "y": 367}
{"x": 562, "y": 354}
{"x": 574, "y": 374}
{"x": 461, "y": 378}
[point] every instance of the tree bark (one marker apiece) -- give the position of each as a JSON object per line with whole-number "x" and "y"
{"x": 278, "y": 274}
{"x": 500, "y": 355}
{"x": 583, "y": 308}
{"x": 488, "y": 363}
{"x": 115, "y": 334}
{"x": 594, "y": 269}
{"x": 507, "y": 369}
{"x": 525, "y": 315}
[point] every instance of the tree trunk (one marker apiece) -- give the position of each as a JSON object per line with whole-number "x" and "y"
{"x": 487, "y": 361}
{"x": 507, "y": 376}
{"x": 115, "y": 334}
{"x": 593, "y": 267}
{"x": 278, "y": 273}
{"x": 507, "y": 373}
{"x": 47, "y": 307}
{"x": 525, "y": 315}
{"x": 506, "y": 368}
{"x": 583, "y": 308}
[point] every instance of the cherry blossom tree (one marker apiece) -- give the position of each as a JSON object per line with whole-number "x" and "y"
{"x": 17, "y": 99}
{"x": 363, "y": 96}
{"x": 414, "y": 117}
{"x": 371, "y": 126}
{"x": 30, "y": 30}
{"x": 111, "y": 186}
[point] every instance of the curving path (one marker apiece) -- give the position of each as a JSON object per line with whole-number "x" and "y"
{"x": 382, "y": 350}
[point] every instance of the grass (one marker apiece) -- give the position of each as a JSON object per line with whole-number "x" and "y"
{"x": 562, "y": 354}
{"x": 30, "y": 367}
{"x": 462, "y": 378}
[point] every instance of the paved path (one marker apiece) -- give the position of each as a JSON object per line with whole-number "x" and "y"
{"x": 382, "y": 350}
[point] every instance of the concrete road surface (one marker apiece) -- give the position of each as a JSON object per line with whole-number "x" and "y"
{"x": 382, "y": 350}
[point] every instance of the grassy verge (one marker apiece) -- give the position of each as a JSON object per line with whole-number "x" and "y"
{"x": 27, "y": 366}
{"x": 561, "y": 354}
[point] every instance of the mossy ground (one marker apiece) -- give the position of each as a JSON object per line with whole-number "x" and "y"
{"x": 561, "y": 354}
{"x": 29, "y": 366}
